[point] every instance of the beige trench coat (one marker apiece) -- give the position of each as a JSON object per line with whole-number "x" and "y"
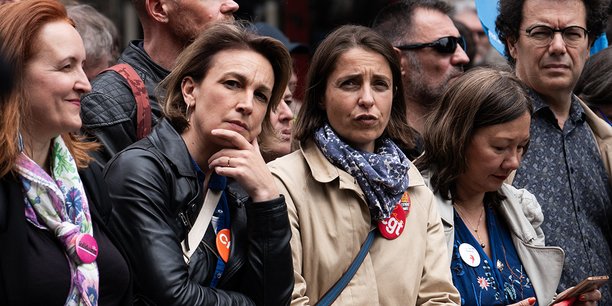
{"x": 602, "y": 132}
{"x": 330, "y": 220}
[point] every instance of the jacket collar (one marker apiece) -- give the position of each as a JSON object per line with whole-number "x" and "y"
{"x": 171, "y": 145}
{"x": 137, "y": 57}
{"x": 600, "y": 128}
{"x": 445, "y": 209}
{"x": 324, "y": 171}
{"x": 510, "y": 210}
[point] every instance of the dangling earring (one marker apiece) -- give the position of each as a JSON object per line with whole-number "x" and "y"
{"x": 20, "y": 142}
{"x": 187, "y": 112}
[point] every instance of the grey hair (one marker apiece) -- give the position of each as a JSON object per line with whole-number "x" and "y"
{"x": 99, "y": 34}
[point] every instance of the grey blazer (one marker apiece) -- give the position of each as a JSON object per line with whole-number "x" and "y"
{"x": 523, "y": 214}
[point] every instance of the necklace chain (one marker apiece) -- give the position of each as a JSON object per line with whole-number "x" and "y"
{"x": 475, "y": 228}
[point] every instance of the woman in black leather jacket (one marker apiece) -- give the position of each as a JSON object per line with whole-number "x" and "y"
{"x": 216, "y": 101}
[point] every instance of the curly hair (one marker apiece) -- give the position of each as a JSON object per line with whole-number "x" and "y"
{"x": 510, "y": 17}
{"x": 99, "y": 34}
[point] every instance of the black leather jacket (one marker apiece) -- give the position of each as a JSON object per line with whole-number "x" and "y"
{"x": 109, "y": 110}
{"x": 152, "y": 183}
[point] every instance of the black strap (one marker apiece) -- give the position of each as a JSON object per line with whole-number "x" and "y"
{"x": 332, "y": 294}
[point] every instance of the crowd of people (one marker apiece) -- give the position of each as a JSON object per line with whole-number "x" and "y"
{"x": 417, "y": 169}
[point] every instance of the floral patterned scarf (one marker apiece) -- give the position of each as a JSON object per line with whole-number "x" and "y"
{"x": 382, "y": 175}
{"x": 59, "y": 204}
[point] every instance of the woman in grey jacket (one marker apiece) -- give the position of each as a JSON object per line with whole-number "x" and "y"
{"x": 474, "y": 140}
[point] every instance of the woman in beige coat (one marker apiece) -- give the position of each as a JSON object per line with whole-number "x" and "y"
{"x": 350, "y": 176}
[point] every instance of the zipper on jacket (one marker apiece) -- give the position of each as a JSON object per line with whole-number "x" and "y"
{"x": 185, "y": 221}
{"x": 187, "y": 225}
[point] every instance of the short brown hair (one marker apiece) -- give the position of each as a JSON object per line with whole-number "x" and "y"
{"x": 481, "y": 97}
{"x": 323, "y": 64}
{"x": 196, "y": 60}
{"x": 395, "y": 21}
{"x": 20, "y": 26}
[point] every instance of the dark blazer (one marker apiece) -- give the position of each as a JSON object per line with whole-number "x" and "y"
{"x": 13, "y": 226}
{"x": 157, "y": 196}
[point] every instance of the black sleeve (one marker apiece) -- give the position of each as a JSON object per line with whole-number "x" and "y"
{"x": 138, "y": 185}
{"x": 271, "y": 280}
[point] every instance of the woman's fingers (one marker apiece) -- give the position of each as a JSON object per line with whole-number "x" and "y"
{"x": 235, "y": 139}
{"x": 526, "y": 302}
{"x": 589, "y": 298}
{"x": 244, "y": 164}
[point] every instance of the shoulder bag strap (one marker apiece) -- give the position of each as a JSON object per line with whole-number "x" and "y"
{"x": 332, "y": 294}
{"x": 143, "y": 108}
{"x": 196, "y": 234}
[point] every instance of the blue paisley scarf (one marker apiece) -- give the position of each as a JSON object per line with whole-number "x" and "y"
{"x": 382, "y": 175}
{"x": 59, "y": 203}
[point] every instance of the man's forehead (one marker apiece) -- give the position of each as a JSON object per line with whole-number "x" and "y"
{"x": 554, "y": 12}
{"x": 429, "y": 25}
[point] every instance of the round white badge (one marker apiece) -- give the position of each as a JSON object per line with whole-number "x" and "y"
{"x": 469, "y": 254}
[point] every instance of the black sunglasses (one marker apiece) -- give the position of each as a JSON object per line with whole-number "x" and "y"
{"x": 444, "y": 45}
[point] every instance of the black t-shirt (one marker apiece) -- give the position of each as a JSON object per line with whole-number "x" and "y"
{"x": 48, "y": 272}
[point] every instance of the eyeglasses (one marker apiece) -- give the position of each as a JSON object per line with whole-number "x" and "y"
{"x": 543, "y": 35}
{"x": 444, "y": 45}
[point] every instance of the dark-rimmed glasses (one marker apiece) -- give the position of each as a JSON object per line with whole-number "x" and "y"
{"x": 543, "y": 35}
{"x": 444, "y": 45}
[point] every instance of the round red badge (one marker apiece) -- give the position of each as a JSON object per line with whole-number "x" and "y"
{"x": 393, "y": 226}
{"x": 223, "y": 243}
{"x": 86, "y": 248}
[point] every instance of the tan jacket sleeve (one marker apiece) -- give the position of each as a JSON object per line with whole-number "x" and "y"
{"x": 436, "y": 284}
{"x": 298, "y": 297}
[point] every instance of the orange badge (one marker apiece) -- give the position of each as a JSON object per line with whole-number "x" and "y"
{"x": 405, "y": 201}
{"x": 223, "y": 243}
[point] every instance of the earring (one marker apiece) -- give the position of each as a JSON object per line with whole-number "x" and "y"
{"x": 187, "y": 112}
{"x": 20, "y": 142}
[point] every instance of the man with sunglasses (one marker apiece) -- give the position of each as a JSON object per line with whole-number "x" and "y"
{"x": 567, "y": 166}
{"x": 430, "y": 48}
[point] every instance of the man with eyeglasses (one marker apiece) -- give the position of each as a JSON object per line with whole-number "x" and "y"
{"x": 430, "y": 48}
{"x": 567, "y": 165}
